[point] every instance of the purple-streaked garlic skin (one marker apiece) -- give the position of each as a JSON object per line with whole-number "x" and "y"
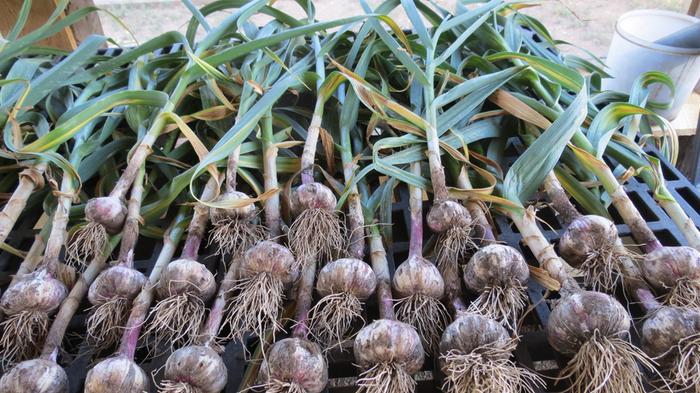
{"x": 495, "y": 265}
{"x": 347, "y": 275}
{"x": 241, "y": 213}
{"x": 186, "y": 276}
{"x": 389, "y": 341}
{"x": 117, "y": 282}
{"x": 35, "y": 376}
{"x": 198, "y": 366}
{"x": 585, "y": 236}
{"x": 417, "y": 276}
{"x": 664, "y": 267}
{"x": 36, "y": 291}
{"x": 576, "y": 317}
{"x": 666, "y": 327}
{"x": 117, "y": 374}
{"x": 269, "y": 257}
{"x": 313, "y": 196}
{"x": 299, "y": 361}
{"x": 447, "y": 214}
{"x": 471, "y": 331}
{"x": 110, "y": 212}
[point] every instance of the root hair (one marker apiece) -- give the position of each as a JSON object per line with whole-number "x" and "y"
{"x": 453, "y": 247}
{"x": 106, "y": 322}
{"x": 255, "y": 307}
{"x": 332, "y": 318}
{"x": 85, "y": 244}
{"x": 23, "y": 334}
{"x": 316, "y": 234}
{"x": 684, "y": 371}
{"x": 487, "y": 369}
{"x": 232, "y": 236}
{"x": 168, "y": 386}
{"x": 175, "y": 321}
{"x": 601, "y": 269}
{"x": 607, "y": 365}
{"x": 501, "y": 303}
{"x": 685, "y": 294}
{"x": 277, "y": 386}
{"x": 427, "y": 315}
{"x": 386, "y": 378}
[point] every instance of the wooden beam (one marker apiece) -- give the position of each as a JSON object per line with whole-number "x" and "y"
{"x": 67, "y": 39}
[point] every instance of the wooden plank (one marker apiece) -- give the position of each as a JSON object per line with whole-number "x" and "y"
{"x": 686, "y": 122}
{"x": 67, "y": 39}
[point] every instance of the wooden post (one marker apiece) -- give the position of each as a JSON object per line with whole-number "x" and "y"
{"x": 689, "y": 155}
{"x": 694, "y": 8}
{"x": 68, "y": 38}
{"x": 89, "y": 25}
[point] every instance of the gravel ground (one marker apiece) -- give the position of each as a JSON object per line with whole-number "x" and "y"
{"x": 588, "y": 24}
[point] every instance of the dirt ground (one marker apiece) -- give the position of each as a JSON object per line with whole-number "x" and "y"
{"x": 588, "y": 24}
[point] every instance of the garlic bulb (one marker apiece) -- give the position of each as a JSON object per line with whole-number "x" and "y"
{"x": 196, "y": 367}
{"x": 313, "y": 196}
{"x": 447, "y": 214}
{"x": 296, "y": 362}
{"x": 110, "y": 212}
{"x": 117, "y": 374}
{"x": 35, "y": 376}
{"x": 347, "y": 275}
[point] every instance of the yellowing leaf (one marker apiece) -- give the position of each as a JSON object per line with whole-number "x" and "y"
{"x": 256, "y": 86}
{"x": 405, "y": 127}
{"x": 519, "y": 109}
{"x": 455, "y": 153}
{"x": 11, "y": 250}
{"x": 219, "y": 94}
{"x": 197, "y": 144}
{"x": 212, "y": 113}
{"x": 542, "y": 276}
{"x": 208, "y": 114}
{"x": 288, "y": 144}
{"x": 398, "y": 32}
{"x": 328, "y": 148}
{"x": 463, "y": 194}
{"x": 242, "y": 202}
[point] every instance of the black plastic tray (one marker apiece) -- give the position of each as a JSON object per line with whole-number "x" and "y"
{"x": 533, "y": 352}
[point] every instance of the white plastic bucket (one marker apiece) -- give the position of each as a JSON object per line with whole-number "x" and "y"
{"x": 633, "y": 52}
